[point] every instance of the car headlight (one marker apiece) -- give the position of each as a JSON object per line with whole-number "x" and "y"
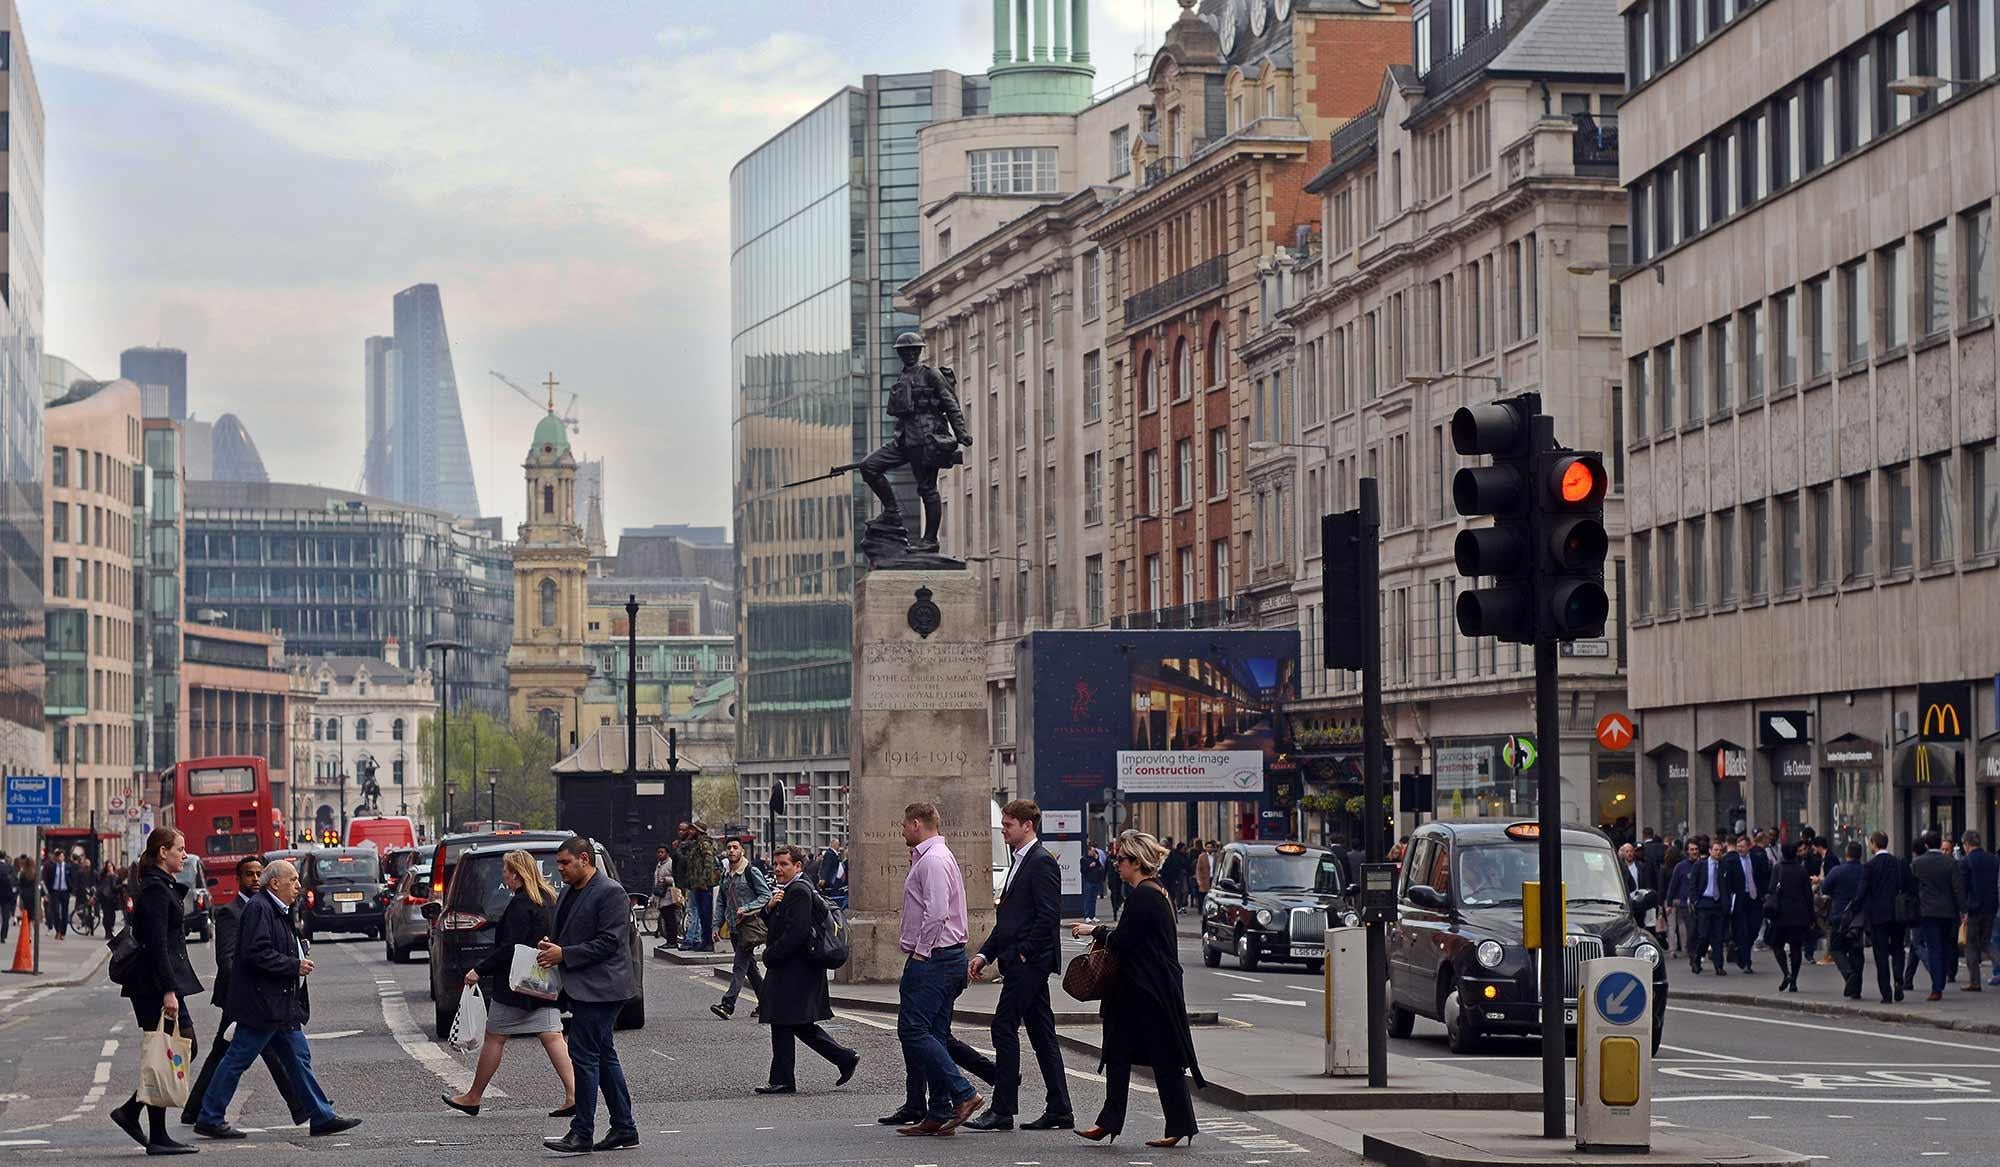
{"x": 1490, "y": 953}
{"x": 1350, "y": 919}
{"x": 1650, "y": 953}
{"x": 1264, "y": 918}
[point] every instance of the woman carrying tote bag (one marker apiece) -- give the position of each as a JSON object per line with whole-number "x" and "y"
{"x": 1145, "y": 1011}
{"x": 162, "y": 978}
{"x": 530, "y": 917}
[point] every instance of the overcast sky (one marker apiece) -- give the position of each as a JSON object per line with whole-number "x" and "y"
{"x": 253, "y": 180}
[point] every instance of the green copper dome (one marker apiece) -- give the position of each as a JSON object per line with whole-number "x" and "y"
{"x": 552, "y": 434}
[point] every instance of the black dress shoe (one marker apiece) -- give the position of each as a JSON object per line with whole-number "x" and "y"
{"x": 220, "y": 1130}
{"x": 847, "y": 1071}
{"x": 170, "y": 1147}
{"x": 332, "y": 1126}
{"x": 1051, "y": 1122}
{"x": 564, "y": 1111}
{"x": 617, "y": 1140}
{"x": 568, "y": 1145}
{"x": 902, "y": 1118}
{"x": 775, "y": 1089}
{"x": 991, "y": 1121}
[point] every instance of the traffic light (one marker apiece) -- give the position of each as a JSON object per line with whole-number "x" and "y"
{"x": 1570, "y": 488}
{"x": 1505, "y": 551}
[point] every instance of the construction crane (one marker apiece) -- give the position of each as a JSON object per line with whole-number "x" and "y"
{"x": 567, "y": 416}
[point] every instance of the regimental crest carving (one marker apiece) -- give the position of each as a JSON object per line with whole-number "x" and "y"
{"x": 924, "y": 616}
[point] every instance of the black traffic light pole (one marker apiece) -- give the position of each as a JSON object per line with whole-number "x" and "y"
{"x": 1548, "y": 806}
{"x": 1369, "y": 600}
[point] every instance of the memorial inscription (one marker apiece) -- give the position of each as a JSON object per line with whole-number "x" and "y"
{"x": 923, "y": 676}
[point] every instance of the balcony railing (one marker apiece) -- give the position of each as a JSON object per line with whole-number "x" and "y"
{"x": 1178, "y": 289}
{"x": 1221, "y": 613}
{"x": 1160, "y": 169}
{"x": 1595, "y": 150}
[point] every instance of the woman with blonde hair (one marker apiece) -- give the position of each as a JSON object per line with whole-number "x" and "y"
{"x": 1145, "y": 1015}
{"x": 530, "y": 917}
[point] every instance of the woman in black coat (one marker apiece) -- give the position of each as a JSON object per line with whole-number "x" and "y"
{"x": 795, "y": 998}
{"x": 163, "y": 977}
{"x": 1145, "y": 1014}
{"x": 1790, "y": 908}
{"x": 528, "y": 918}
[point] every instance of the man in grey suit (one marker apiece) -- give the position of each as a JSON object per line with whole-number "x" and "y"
{"x": 592, "y": 946}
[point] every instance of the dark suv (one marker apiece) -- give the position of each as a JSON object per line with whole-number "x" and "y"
{"x": 1456, "y": 952}
{"x": 196, "y": 898}
{"x": 340, "y": 890}
{"x": 465, "y": 921}
{"x": 1273, "y": 901}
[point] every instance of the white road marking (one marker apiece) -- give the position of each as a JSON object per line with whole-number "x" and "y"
{"x": 663, "y": 1054}
{"x": 24, "y": 1142}
{"x": 1238, "y": 977}
{"x": 110, "y": 1048}
{"x": 1843, "y": 1030}
{"x": 333, "y": 1033}
{"x": 1702, "y": 1053}
{"x": 1661, "y": 1099}
{"x": 1259, "y": 998}
{"x": 102, "y": 1074}
{"x": 426, "y": 1053}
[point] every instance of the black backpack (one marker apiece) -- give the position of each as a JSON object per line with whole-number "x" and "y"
{"x": 829, "y": 948}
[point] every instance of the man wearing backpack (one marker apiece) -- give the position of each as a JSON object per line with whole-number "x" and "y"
{"x": 704, "y": 873}
{"x": 796, "y": 999}
{"x": 1093, "y": 880}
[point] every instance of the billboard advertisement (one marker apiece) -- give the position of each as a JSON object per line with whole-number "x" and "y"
{"x": 1163, "y": 715}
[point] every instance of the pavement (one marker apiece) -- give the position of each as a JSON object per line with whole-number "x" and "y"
{"x": 67, "y": 961}
{"x": 1820, "y": 994}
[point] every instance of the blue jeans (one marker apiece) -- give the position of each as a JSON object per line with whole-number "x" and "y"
{"x": 597, "y": 1066}
{"x": 293, "y": 1052}
{"x": 1089, "y": 900}
{"x": 1938, "y": 935}
{"x": 929, "y": 990}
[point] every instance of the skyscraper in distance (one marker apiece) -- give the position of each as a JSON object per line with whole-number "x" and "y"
{"x": 432, "y": 463}
{"x": 378, "y": 416}
{"x": 165, "y": 367}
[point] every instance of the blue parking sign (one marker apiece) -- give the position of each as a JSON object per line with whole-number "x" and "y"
{"x": 34, "y": 800}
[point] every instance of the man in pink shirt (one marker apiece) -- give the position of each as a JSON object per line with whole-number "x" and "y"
{"x": 933, "y": 939}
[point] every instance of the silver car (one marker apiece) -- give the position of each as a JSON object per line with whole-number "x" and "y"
{"x": 403, "y": 925}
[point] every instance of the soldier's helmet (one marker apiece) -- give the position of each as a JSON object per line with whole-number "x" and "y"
{"x": 909, "y": 340}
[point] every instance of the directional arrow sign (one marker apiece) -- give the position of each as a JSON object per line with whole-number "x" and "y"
{"x": 1783, "y": 727}
{"x": 1614, "y": 731}
{"x": 1620, "y": 998}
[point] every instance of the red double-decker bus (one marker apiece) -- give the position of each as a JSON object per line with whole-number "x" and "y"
{"x": 223, "y": 807}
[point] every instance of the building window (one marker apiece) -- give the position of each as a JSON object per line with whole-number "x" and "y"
{"x": 1183, "y": 370}
{"x": 1121, "y": 152}
{"x": 396, "y": 730}
{"x": 1750, "y": 329}
{"x": 59, "y": 466}
{"x": 1663, "y": 384}
{"x": 1642, "y": 573}
{"x": 1819, "y": 326}
{"x": 1976, "y": 237}
{"x": 1692, "y": 384}
{"x": 1934, "y": 284}
{"x": 1093, "y": 285}
{"x": 1822, "y": 536}
{"x": 1184, "y": 560}
{"x": 1149, "y": 470}
{"x": 1022, "y": 170}
{"x": 1757, "y": 555}
{"x": 1423, "y": 32}
{"x": 1218, "y": 568}
{"x": 1985, "y": 498}
{"x": 1670, "y": 569}
{"x": 1725, "y": 557}
{"x": 1893, "y": 269}
{"x": 1184, "y": 472}
{"x": 1785, "y": 338}
{"x": 1822, "y": 121}
{"x": 1636, "y": 374}
{"x": 1093, "y": 386}
{"x": 1218, "y": 462}
{"x": 1617, "y": 441}
{"x": 1860, "y": 528}
{"x": 1859, "y": 98}
{"x": 1216, "y": 357}
{"x": 1940, "y": 512}
{"x": 1093, "y": 590}
{"x": 1149, "y": 384}
{"x": 59, "y": 522}
{"x": 361, "y": 729}
{"x": 1791, "y": 549}
{"x": 1902, "y": 518}
{"x": 1856, "y": 327}
{"x": 1721, "y": 360}
{"x": 1697, "y": 563}
{"x": 1093, "y": 488}
{"x": 548, "y": 603}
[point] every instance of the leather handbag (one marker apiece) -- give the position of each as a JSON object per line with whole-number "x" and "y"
{"x": 1092, "y": 976}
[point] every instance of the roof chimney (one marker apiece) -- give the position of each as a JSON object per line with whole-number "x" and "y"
{"x": 391, "y": 651}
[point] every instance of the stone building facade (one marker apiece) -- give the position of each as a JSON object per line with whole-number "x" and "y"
{"x": 366, "y": 719}
{"x": 1815, "y": 488}
{"x": 547, "y": 670}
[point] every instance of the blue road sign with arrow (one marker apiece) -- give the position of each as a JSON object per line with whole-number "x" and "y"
{"x": 1620, "y": 998}
{"x": 33, "y": 800}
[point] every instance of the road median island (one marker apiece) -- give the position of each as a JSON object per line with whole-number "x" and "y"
{"x": 1517, "y": 1139}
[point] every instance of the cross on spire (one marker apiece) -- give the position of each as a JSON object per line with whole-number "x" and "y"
{"x": 550, "y": 385}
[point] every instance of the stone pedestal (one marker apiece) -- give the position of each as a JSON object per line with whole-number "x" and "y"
{"x": 919, "y": 734}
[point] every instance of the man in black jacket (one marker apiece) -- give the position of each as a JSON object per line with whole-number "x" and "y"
{"x": 1747, "y": 916}
{"x": 9, "y": 893}
{"x": 270, "y": 1005}
{"x": 228, "y": 921}
{"x": 1713, "y": 887}
{"x": 795, "y": 998}
{"x": 1887, "y": 879}
{"x": 593, "y": 947}
{"x": 1026, "y": 947}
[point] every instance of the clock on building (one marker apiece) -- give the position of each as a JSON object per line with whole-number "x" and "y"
{"x": 1232, "y": 15}
{"x": 1260, "y": 10}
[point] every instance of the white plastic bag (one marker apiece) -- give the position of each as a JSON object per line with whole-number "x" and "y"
{"x": 468, "y": 1029}
{"x": 529, "y": 979}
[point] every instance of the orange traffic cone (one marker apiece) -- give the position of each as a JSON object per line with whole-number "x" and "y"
{"x": 24, "y": 949}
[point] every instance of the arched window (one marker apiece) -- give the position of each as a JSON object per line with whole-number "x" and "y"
{"x": 396, "y": 730}
{"x": 549, "y": 723}
{"x": 548, "y": 594}
{"x": 317, "y": 727}
{"x": 1217, "y": 357}
{"x": 1149, "y": 383}
{"x": 361, "y": 729}
{"x": 548, "y": 500}
{"x": 1183, "y": 370}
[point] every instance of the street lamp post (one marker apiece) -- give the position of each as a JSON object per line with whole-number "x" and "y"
{"x": 632, "y": 686}
{"x": 444, "y": 649}
{"x": 493, "y": 794}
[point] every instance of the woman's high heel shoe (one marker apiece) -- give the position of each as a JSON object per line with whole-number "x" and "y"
{"x": 1170, "y": 1142}
{"x": 1097, "y": 1134}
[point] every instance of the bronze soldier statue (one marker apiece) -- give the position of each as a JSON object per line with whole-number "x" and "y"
{"x": 930, "y": 435}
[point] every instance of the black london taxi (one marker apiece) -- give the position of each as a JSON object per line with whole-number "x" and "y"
{"x": 340, "y": 890}
{"x": 1456, "y": 952}
{"x": 1273, "y": 901}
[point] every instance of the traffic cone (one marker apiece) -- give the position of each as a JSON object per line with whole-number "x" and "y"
{"x": 24, "y": 948}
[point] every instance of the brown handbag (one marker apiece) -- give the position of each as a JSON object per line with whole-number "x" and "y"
{"x": 1093, "y": 975}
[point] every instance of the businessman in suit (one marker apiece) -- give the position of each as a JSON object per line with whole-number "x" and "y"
{"x": 1887, "y": 878}
{"x": 1026, "y": 946}
{"x": 228, "y": 923}
{"x": 1713, "y": 886}
{"x": 1747, "y": 916}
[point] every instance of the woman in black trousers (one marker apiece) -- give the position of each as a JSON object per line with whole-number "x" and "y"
{"x": 1145, "y": 1017}
{"x": 164, "y": 978}
{"x": 1790, "y": 908}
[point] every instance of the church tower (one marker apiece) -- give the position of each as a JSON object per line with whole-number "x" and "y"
{"x": 546, "y": 666}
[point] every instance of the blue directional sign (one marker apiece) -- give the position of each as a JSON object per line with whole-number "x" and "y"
{"x": 1620, "y": 998}
{"x": 33, "y": 800}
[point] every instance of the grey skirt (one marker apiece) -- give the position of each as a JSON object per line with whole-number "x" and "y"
{"x": 514, "y": 1021}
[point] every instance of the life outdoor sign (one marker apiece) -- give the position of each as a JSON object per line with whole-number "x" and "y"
{"x": 1944, "y": 711}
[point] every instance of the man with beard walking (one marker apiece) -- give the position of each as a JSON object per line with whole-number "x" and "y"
{"x": 592, "y": 946}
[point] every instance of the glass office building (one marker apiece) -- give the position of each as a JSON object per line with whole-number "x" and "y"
{"x": 823, "y": 230}
{"x": 23, "y": 748}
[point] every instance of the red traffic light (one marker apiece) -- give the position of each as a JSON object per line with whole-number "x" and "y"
{"x": 1577, "y": 479}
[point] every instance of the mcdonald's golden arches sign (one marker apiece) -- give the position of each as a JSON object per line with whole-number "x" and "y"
{"x": 1944, "y": 712}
